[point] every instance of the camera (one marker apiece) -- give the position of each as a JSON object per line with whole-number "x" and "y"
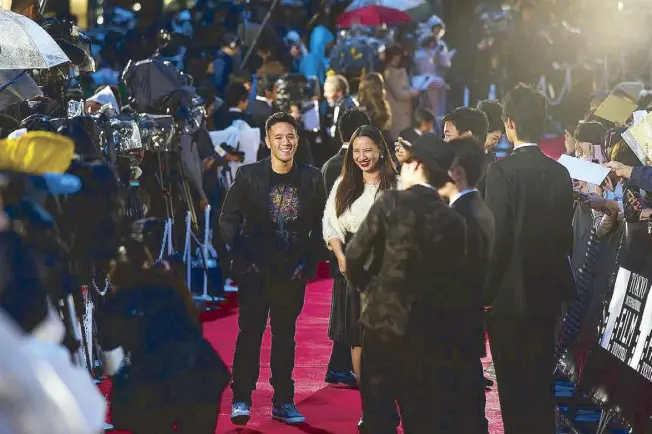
{"x": 227, "y": 149}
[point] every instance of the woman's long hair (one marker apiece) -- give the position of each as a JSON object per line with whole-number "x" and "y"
{"x": 352, "y": 185}
{"x": 373, "y": 100}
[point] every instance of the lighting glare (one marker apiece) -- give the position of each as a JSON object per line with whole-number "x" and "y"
{"x": 621, "y": 5}
{"x": 100, "y": 20}
{"x": 137, "y": 7}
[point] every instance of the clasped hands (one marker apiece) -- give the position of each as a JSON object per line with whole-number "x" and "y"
{"x": 253, "y": 268}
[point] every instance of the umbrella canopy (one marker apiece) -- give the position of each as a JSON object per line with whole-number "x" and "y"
{"x": 372, "y": 15}
{"x": 22, "y": 88}
{"x": 401, "y": 5}
{"x": 25, "y": 45}
{"x": 150, "y": 80}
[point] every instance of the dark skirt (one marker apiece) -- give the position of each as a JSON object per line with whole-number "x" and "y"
{"x": 344, "y": 324}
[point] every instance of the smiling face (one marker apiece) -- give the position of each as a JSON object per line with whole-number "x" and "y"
{"x": 366, "y": 154}
{"x": 282, "y": 140}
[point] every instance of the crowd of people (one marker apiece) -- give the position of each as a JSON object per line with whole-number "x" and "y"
{"x": 432, "y": 240}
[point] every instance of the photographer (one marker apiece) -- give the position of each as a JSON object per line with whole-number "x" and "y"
{"x": 164, "y": 372}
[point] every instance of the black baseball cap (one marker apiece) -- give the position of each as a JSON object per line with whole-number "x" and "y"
{"x": 432, "y": 152}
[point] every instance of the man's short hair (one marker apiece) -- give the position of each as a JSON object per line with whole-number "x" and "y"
{"x": 422, "y": 115}
{"x": 264, "y": 84}
{"x": 494, "y": 112}
{"x": 235, "y": 94}
{"x": 469, "y": 154}
{"x": 468, "y": 120}
{"x": 280, "y": 118}
{"x": 350, "y": 121}
{"x": 527, "y": 108}
{"x": 21, "y": 5}
{"x": 339, "y": 81}
{"x": 590, "y": 132}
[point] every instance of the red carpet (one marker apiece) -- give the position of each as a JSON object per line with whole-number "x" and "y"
{"x": 328, "y": 409}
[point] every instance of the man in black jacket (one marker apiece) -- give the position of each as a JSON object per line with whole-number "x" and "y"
{"x": 340, "y": 369}
{"x": 409, "y": 258}
{"x": 531, "y": 198}
{"x": 271, "y": 220}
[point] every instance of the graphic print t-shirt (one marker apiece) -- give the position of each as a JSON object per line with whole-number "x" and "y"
{"x": 283, "y": 202}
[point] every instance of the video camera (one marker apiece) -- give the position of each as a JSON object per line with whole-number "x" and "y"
{"x": 294, "y": 88}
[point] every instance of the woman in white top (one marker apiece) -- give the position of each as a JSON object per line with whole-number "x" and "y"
{"x": 367, "y": 171}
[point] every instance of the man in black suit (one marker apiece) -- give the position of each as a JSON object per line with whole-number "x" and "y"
{"x": 531, "y": 198}
{"x": 409, "y": 257}
{"x": 271, "y": 220}
{"x": 423, "y": 121}
{"x": 466, "y": 170}
{"x": 340, "y": 369}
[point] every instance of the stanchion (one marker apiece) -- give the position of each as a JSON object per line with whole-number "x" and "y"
{"x": 167, "y": 240}
{"x": 204, "y": 250}
{"x": 187, "y": 251}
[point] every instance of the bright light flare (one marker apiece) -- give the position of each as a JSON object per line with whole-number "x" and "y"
{"x": 621, "y": 6}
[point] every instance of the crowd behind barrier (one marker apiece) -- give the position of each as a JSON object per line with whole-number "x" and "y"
{"x": 609, "y": 363}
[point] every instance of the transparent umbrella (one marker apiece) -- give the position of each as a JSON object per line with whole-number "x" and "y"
{"x": 25, "y": 45}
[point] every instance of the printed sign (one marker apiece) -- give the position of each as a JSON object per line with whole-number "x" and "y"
{"x": 627, "y": 331}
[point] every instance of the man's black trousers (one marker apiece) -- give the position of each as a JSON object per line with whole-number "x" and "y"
{"x": 282, "y": 300}
{"x": 340, "y": 360}
{"x": 523, "y": 355}
{"x": 433, "y": 395}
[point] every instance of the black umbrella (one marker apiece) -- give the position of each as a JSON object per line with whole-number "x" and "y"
{"x": 16, "y": 86}
{"x": 151, "y": 80}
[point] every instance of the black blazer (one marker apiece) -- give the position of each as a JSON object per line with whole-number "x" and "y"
{"x": 244, "y": 220}
{"x": 409, "y": 257}
{"x": 332, "y": 169}
{"x": 489, "y": 159}
{"x": 481, "y": 232}
{"x": 531, "y": 198}
{"x": 259, "y": 111}
{"x": 224, "y": 117}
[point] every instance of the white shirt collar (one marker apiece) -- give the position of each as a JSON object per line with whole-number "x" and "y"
{"x": 460, "y": 194}
{"x": 263, "y": 99}
{"x": 523, "y": 145}
{"x": 235, "y": 109}
{"x": 419, "y": 133}
{"x": 423, "y": 184}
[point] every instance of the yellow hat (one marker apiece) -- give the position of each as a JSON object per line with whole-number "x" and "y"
{"x": 37, "y": 152}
